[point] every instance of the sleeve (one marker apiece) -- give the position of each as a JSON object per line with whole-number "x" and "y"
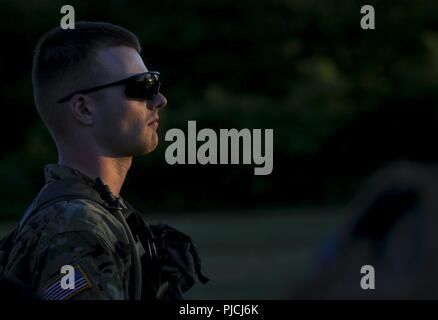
{"x": 82, "y": 265}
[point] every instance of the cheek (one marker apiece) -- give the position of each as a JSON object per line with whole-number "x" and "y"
{"x": 133, "y": 125}
{"x": 135, "y": 117}
{"x": 128, "y": 117}
{"x": 111, "y": 110}
{"x": 105, "y": 124}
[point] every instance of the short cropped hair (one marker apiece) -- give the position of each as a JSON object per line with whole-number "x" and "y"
{"x": 65, "y": 59}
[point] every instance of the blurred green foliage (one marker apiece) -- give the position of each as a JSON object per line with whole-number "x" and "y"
{"x": 341, "y": 100}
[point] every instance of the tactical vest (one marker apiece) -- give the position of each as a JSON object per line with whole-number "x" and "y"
{"x": 165, "y": 271}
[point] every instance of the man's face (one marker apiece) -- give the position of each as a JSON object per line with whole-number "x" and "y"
{"x": 124, "y": 126}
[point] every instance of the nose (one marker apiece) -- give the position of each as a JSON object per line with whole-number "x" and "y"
{"x": 158, "y": 102}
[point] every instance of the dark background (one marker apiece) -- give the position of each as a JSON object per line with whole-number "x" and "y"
{"x": 342, "y": 102}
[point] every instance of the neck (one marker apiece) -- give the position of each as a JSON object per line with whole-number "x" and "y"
{"x": 112, "y": 170}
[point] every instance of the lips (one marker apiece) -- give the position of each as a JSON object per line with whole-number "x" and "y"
{"x": 153, "y": 121}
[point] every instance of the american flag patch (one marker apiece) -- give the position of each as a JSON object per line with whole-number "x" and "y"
{"x": 56, "y": 292}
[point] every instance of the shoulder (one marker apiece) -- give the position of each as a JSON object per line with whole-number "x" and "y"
{"x": 75, "y": 216}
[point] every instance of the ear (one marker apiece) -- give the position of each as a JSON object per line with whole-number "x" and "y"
{"x": 81, "y": 109}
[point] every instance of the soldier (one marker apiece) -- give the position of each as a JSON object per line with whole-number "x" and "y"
{"x": 101, "y": 106}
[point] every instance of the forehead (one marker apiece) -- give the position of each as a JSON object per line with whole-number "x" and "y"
{"x": 119, "y": 62}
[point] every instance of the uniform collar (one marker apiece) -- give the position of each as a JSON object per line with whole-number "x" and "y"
{"x": 54, "y": 172}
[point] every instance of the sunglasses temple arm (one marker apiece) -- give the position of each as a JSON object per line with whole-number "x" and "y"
{"x": 84, "y": 91}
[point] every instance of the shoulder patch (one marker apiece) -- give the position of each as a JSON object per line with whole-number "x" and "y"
{"x": 56, "y": 292}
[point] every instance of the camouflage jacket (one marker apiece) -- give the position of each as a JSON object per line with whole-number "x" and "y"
{"x": 81, "y": 234}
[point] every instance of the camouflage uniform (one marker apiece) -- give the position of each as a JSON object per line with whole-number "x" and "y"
{"x": 83, "y": 234}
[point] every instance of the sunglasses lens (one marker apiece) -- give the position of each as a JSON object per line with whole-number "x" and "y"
{"x": 145, "y": 87}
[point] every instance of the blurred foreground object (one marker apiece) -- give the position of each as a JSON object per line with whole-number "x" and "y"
{"x": 393, "y": 228}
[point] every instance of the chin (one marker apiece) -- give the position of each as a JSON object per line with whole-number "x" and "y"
{"x": 151, "y": 145}
{"x": 148, "y": 150}
{"x": 144, "y": 144}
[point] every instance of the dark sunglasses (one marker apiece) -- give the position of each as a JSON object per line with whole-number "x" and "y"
{"x": 144, "y": 86}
